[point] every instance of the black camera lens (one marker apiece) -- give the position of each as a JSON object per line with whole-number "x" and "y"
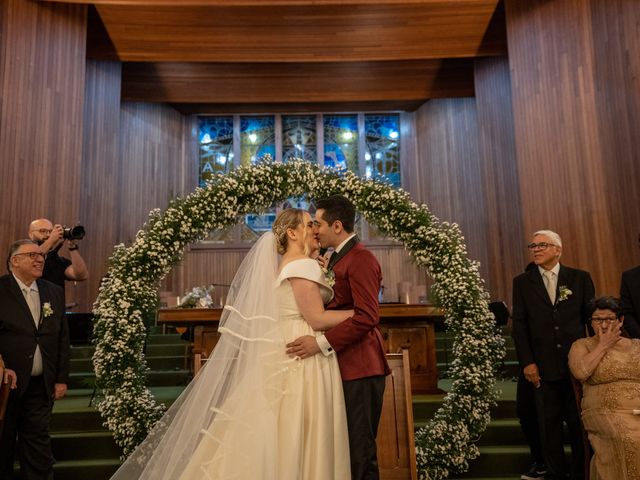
{"x": 73, "y": 233}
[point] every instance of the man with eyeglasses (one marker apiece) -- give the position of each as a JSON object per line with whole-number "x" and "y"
{"x": 630, "y": 299}
{"x": 58, "y": 269}
{"x": 34, "y": 342}
{"x": 550, "y": 312}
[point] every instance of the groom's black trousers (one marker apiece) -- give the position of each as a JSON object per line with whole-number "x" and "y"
{"x": 363, "y": 401}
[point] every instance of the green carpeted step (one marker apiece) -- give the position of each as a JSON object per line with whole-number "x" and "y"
{"x": 424, "y": 408}
{"x": 155, "y": 378}
{"x": 165, "y": 362}
{"x": 101, "y": 469}
{"x": 84, "y": 446}
{"x": 499, "y": 432}
{"x": 159, "y": 350}
{"x": 444, "y": 356}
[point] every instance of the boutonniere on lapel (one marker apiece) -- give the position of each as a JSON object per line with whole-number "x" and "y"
{"x": 329, "y": 276}
{"x": 47, "y": 311}
{"x": 563, "y": 293}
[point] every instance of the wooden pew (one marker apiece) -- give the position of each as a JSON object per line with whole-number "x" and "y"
{"x": 396, "y": 441}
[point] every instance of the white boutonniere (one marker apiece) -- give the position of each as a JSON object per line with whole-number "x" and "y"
{"x": 47, "y": 311}
{"x": 563, "y": 293}
{"x": 329, "y": 276}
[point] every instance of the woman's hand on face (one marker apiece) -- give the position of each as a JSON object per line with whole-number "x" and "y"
{"x": 609, "y": 335}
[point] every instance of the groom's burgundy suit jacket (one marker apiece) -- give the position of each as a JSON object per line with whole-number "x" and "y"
{"x": 357, "y": 340}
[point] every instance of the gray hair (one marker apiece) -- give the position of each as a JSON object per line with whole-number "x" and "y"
{"x": 15, "y": 246}
{"x": 555, "y": 238}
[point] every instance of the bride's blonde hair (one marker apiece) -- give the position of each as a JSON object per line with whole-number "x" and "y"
{"x": 286, "y": 219}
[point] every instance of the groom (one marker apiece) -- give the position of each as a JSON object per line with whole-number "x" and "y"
{"x": 357, "y": 341}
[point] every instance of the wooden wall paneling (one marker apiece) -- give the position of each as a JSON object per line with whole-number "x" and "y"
{"x": 616, "y": 48}
{"x": 202, "y": 266}
{"x": 101, "y": 205}
{"x": 564, "y": 141}
{"x": 256, "y": 83}
{"x": 153, "y": 162}
{"x": 42, "y": 69}
{"x": 506, "y": 251}
{"x": 449, "y": 173}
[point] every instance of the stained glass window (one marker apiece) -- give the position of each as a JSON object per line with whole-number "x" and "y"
{"x": 299, "y": 137}
{"x": 382, "y": 154}
{"x": 341, "y": 142}
{"x": 374, "y": 154}
{"x": 257, "y": 138}
{"x": 216, "y": 146}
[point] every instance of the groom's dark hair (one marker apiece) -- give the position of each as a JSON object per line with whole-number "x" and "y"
{"x": 338, "y": 207}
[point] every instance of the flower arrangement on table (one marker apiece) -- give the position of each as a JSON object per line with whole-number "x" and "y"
{"x": 198, "y": 297}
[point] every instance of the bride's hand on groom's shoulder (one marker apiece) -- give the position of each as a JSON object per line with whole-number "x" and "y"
{"x": 303, "y": 347}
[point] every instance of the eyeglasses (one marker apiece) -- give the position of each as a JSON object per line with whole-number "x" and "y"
{"x": 43, "y": 231}
{"x": 601, "y": 320}
{"x": 32, "y": 255}
{"x": 541, "y": 245}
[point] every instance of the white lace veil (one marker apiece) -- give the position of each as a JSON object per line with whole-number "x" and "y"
{"x": 240, "y": 384}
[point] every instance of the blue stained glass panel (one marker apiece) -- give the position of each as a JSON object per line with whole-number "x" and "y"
{"x": 341, "y": 142}
{"x": 299, "y": 138}
{"x": 382, "y": 154}
{"x": 257, "y": 138}
{"x": 215, "y": 140}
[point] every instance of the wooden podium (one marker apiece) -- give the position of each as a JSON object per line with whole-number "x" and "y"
{"x": 403, "y": 327}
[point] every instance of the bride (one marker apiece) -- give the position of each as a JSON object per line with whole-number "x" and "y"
{"x": 252, "y": 412}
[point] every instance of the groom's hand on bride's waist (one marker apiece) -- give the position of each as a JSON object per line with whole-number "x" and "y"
{"x": 303, "y": 347}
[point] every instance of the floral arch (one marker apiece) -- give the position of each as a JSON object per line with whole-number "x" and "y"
{"x": 129, "y": 292}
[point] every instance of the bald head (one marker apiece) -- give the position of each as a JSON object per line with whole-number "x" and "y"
{"x": 40, "y": 230}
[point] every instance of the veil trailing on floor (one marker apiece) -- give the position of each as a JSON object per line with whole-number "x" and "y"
{"x": 233, "y": 404}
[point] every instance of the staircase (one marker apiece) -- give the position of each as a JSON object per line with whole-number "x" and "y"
{"x": 84, "y": 449}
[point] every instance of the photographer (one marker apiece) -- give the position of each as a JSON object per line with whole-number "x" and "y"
{"x": 51, "y": 238}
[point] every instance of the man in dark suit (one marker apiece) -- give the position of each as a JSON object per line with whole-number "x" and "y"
{"x": 357, "y": 341}
{"x": 549, "y": 314}
{"x": 34, "y": 342}
{"x": 630, "y": 298}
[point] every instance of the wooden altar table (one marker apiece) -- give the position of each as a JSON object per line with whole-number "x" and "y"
{"x": 403, "y": 326}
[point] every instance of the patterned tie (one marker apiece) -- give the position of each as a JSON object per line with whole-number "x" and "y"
{"x": 550, "y": 285}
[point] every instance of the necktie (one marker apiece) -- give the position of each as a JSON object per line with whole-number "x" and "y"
{"x": 33, "y": 300}
{"x": 550, "y": 284}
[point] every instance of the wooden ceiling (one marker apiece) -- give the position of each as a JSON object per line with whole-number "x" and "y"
{"x": 241, "y": 55}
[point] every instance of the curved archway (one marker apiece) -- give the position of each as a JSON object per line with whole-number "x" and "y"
{"x": 129, "y": 291}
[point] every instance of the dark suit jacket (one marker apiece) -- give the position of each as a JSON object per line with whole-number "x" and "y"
{"x": 19, "y": 336}
{"x": 543, "y": 332}
{"x": 357, "y": 341}
{"x": 630, "y": 297}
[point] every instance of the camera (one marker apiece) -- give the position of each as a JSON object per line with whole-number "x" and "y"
{"x": 73, "y": 233}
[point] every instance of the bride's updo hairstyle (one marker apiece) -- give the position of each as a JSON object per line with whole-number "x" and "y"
{"x": 286, "y": 219}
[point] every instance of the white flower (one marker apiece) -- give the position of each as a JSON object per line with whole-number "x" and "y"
{"x": 47, "y": 311}
{"x": 563, "y": 293}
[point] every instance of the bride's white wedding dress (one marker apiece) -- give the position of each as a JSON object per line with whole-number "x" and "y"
{"x": 309, "y": 415}
{"x": 255, "y": 413}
